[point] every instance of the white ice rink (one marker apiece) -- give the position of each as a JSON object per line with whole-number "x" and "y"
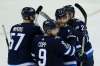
{"x": 10, "y": 15}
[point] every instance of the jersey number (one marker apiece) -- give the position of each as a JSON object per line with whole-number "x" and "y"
{"x": 21, "y": 36}
{"x": 42, "y": 57}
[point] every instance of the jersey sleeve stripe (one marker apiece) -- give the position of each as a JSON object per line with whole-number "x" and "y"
{"x": 89, "y": 51}
{"x": 70, "y": 63}
{"x": 78, "y": 46}
{"x": 25, "y": 64}
{"x": 71, "y": 36}
{"x": 68, "y": 51}
{"x": 73, "y": 52}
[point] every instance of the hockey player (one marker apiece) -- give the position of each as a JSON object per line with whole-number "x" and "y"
{"x": 80, "y": 31}
{"x": 22, "y": 35}
{"x": 49, "y": 49}
{"x": 66, "y": 32}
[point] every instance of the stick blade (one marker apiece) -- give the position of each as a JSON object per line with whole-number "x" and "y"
{"x": 39, "y": 9}
{"x": 82, "y": 11}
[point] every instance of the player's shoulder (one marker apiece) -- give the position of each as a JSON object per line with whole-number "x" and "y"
{"x": 60, "y": 41}
{"x": 38, "y": 38}
{"x": 36, "y": 27}
{"x": 58, "y": 38}
{"x": 52, "y": 38}
{"x": 30, "y": 27}
{"x": 79, "y": 22}
{"x": 65, "y": 28}
{"x": 16, "y": 25}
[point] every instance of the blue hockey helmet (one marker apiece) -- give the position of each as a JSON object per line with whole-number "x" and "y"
{"x": 28, "y": 11}
{"x": 60, "y": 13}
{"x": 49, "y": 24}
{"x": 69, "y": 8}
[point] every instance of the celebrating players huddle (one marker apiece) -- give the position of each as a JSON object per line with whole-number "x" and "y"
{"x": 60, "y": 44}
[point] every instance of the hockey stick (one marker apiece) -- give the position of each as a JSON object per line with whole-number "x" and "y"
{"x": 5, "y": 34}
{"x": 85, "y": 17}
{"x": 40, "y": 12}
{"x": 44, "y": 15}
{"x": 82, "y": 11}
{"x": 39, "y": 9}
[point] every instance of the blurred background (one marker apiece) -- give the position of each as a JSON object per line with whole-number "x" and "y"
{"x": 10, "y": 14}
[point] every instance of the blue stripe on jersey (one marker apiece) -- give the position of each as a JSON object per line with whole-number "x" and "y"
{"x": 73, "y": 52}
{"x": 78, "y": 46}
{"x": 71, "y": 36}
{"x": 70, "y": 51}
{"x": 25, "y": 64}
{"x": 89, "y": 53}
{"x": 71, "y": 63}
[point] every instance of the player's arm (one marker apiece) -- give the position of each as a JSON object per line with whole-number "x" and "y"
{"x": 88, "y": 49}
{"x": 81, "y": 31}
{"x": 67, "y": 49}
{"x": 87, "y": 56}
{"x": 89, "y": 59}
{"x": 73, "y": 40}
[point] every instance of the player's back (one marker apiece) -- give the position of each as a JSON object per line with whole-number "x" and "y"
{"x": 21, "y": 41}
{"x": 48, "y": 51}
